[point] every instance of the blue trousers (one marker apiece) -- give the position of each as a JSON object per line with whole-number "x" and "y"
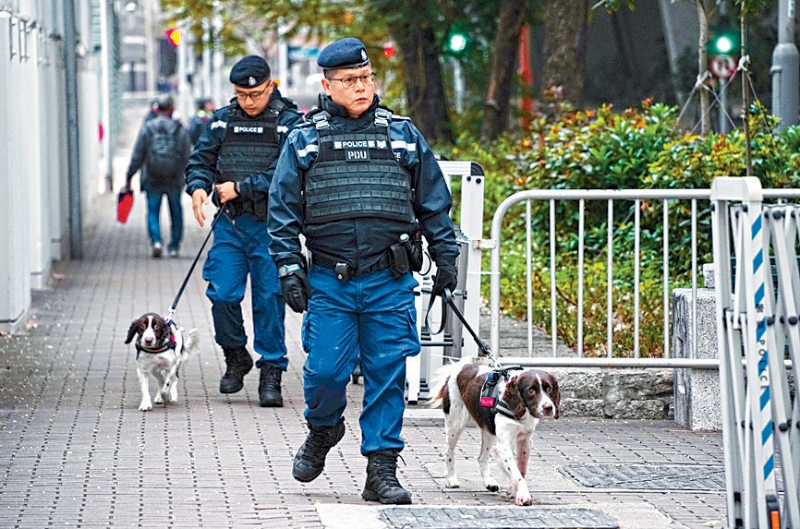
{"x": 373, "y": 314}
{"x": 241, "y": 247}
{"x": 154, "y": 199}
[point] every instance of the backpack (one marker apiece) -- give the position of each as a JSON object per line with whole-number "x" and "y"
{"x": 164, "y": 157}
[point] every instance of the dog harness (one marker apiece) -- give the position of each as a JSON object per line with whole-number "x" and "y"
{"x": 490, "y": 391}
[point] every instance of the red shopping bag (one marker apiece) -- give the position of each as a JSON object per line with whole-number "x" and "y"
{"x": 124, "y": 204}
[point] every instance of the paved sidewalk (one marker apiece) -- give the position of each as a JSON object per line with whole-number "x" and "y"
{"x": 75, "y": 451}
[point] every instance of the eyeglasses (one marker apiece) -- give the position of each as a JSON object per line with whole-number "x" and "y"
{"x": 350, "y": 82}
{"x": 254, "y": 96}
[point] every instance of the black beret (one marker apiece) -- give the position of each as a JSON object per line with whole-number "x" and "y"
{"x": 344, "y": 53}
{"x": 249, "y": 72}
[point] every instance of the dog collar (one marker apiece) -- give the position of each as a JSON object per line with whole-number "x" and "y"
{"x": 169, "y": 343}
{"x": 502, "y": 409}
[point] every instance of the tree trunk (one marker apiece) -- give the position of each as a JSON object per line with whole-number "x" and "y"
{"x": 504, "y": 59}
{"x": 567, "y": 32}
{"x": 423, "y": 75}
{"x": 702, "y": 66}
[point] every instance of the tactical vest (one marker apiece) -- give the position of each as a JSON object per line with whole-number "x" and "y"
{"x": 250, "y": 145}
{"x": 356, "y": 174}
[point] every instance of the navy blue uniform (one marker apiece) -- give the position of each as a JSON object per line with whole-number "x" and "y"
{"x": 372, "y": 313}
{"x": 241, "y": 240}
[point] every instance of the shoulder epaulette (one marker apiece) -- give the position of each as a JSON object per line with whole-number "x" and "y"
{"x": 383, "y": 116}
{"x": 319, "y": 118}
{"x": 277, "y": 105}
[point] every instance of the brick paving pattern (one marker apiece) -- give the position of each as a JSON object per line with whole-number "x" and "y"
{"x": 75, "y": 451}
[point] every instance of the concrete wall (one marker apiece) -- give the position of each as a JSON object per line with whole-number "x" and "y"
{"x": 34, "y": 207}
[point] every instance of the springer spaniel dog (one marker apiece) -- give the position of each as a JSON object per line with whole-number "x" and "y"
{"x": 507, "y": 415}
{"x": 161, "y": 348}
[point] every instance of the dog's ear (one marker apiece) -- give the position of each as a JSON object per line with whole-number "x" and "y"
{"x": 132, "y": 330}
{"x": 555, "y": 394}
{"x": 513, "y": 398}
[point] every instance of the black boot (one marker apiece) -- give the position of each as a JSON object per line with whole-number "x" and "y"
{"x": 382, "y": 484}
{"x": 310, "y": 459}
{"x": 239, "y": 363}
{"x": 269, "y": 387}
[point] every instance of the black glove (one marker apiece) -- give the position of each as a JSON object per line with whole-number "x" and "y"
{"x": 296, "y": 290}
{"x": 446, "y": 278}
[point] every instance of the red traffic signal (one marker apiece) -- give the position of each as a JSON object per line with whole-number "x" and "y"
{"x": 388, "y": 50}
{"x": 174, "y": 36}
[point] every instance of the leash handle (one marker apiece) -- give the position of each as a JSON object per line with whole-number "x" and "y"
{"x": 425, "y": 325}
{"x": 194, "y": 263}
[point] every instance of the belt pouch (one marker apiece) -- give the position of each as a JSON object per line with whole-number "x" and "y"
{"x": 398, "y": 260}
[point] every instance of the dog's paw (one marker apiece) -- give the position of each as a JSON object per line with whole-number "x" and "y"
{"x": 523, "y": 500}
{"x": 451, "y": 483}
{"x": 145, "y": 406}
{"x": 159, "y": 399}
{"x": 491, "y": 485}
{"x": 521, "y": 496}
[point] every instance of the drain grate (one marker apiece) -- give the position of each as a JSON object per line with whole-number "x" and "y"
{"x": 495, "y": 518}
{"x": 650, "y": 477}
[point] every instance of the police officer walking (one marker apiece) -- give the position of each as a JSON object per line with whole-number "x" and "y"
{"x": 235, "y": 158}
{"x": 357, "y": 182}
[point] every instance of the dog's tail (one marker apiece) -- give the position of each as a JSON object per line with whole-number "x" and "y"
{"x": 440, "y": 386}
{"x": 192, "y": 343}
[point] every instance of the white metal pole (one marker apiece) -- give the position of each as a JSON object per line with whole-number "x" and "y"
{"x": 105, "y": 93}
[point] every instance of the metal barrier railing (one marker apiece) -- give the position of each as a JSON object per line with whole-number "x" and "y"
{"x": 611, "y": 197}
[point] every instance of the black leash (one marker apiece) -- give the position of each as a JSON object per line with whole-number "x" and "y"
{"x": 447, "y": 297}
{"x": 194, "y": 263}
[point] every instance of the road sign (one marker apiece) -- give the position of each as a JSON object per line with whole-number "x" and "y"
{"x": 302, "y": 53}
{"x": 723, "y": 67}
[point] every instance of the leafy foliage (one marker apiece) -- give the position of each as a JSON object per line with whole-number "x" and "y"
{"x": 601, "y": 149}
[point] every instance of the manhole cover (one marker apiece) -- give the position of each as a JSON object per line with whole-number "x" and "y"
{"x": 662, "y": 477}
{"x": 495, "y": 518}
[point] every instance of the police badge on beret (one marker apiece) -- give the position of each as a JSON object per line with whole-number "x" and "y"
{"x": 249, "y": 72}
{"x": 348, "y": 52}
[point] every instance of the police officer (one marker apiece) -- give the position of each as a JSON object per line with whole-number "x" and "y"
{"x": 356, "y": 180}
{"x": 235, "y": 158}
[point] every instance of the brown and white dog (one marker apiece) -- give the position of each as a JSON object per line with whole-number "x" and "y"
{"x": 161, "y": 348}
{"x": 506, "y": 431}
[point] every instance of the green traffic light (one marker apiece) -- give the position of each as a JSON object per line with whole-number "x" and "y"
{"x": 724, "y": 44}
{"x": 458, "y": 42}
{"x": 724, "y": 41}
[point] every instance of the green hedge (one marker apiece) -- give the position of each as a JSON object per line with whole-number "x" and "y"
{"x": 602, "y": 149}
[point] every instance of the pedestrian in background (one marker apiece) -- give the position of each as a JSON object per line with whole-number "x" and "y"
{"x": 235, "y": 159}
{"x": 357, "y": 182}
{"x": 199, "y": 122}
{"x": 160, "y": 154}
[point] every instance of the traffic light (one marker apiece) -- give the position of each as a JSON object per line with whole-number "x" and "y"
{"x": 724, "y": 41}
{"x": 173, "y": 36}
{"x": 457, "y": 42}
{"x": 388, "y": 50}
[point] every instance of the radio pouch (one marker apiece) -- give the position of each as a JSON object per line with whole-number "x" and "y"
{"x": 414, "y": 247}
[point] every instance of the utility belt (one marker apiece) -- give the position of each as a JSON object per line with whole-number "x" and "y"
{"x": 344, "y": 271}
{"x": 258, "y": 209}
{"x": 401, "y": 258}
